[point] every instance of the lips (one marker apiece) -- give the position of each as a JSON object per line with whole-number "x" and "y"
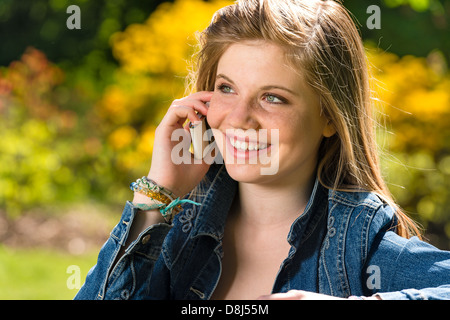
{"x": 243, "y": 145}
{"x": 246, "y": 147}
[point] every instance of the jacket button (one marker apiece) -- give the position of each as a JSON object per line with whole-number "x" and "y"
{"x": 145, "y": 239}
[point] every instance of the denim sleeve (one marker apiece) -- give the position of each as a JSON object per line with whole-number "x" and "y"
{"x": 129, "y": 279}
{"x": 408, "y": 269}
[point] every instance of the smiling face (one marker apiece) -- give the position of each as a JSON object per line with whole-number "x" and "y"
{"x": 263, "y": 111}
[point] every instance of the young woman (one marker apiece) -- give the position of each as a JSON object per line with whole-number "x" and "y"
{"x": 320, "y": 224}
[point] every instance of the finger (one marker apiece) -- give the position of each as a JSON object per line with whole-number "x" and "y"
{"x": 198, "y": 100}
{"x": 197, "y": 105}
{"x": 204, "y": 96}
{"x": 200, "y": 107}
{"x": 290, "y": 295}
{"x": 179, "y": 114}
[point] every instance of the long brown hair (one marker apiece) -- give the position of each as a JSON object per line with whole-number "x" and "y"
{"x": 322, "y": 42}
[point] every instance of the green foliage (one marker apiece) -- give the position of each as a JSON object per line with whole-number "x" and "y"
{"x": 51, "y": 149}
{"x": 42, "y": 24}
{"x": 39, "y": 274}
{"x": 418, "y": 5}
{"x": 408, "y": 27}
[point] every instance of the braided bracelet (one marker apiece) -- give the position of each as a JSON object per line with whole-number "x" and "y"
{"x": 152, "y": 190}
{"x": 163, "y": 198}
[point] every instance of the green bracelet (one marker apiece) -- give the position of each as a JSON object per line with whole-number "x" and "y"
{"x": 146, "y": 207}
{"x": 166, "y": 210}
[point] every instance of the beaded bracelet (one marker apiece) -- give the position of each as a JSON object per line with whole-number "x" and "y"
{"x": 167, "y": 211}
{"x": 152, "y": 190}
{"x": 163, "y": 198}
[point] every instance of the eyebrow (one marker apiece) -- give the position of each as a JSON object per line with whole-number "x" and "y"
{"x": 268, "y": 87}
{"x": 222, "y": 76}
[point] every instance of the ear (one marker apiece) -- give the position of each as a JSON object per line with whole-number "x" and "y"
{"x": 329, "y": 130}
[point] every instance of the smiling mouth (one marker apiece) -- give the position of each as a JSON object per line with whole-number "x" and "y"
{"x": 246, "y": 143}
{"x": 247, "y": 146}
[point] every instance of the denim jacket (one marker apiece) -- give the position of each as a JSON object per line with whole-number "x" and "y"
{"x": 343, "y": 244}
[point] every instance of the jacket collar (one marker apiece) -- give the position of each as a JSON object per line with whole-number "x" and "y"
{"x": 216, "y": 194}
{"x": 307, "y": 222}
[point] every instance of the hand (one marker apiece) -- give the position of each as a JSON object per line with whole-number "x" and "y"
{"x": 178, "y": 178}
{"x": 306, "y": 295}
{"x": 298, "y": 295}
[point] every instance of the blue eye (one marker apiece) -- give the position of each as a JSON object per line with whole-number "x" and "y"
{"x": 274, "y": 99}
{"x": 225, "y": 89}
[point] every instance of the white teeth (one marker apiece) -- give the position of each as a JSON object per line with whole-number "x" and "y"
{"x": 247, "y": 146}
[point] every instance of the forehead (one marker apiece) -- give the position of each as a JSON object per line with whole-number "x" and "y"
{"x": 260, "y": 59}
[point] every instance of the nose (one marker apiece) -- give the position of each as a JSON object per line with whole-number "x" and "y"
{"x": 243, "y": 116}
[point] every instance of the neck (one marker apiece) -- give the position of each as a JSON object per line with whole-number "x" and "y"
{"x": 273, "y": 203}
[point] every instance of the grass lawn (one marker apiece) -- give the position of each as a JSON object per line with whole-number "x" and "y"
{"x": 40, "y": 274}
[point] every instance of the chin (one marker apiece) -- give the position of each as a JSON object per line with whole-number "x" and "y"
{"x": 251, "y": 165}
{"x": 248, "y": 173}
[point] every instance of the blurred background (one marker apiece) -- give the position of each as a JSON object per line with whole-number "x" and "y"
{"x": 78, "y": 110}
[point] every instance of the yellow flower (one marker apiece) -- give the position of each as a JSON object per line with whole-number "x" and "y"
{"x": 113, "y": 104}
{"x": 408, "y": 87}
{"x": 145, "y": 144}
{"x": 122, "y": 137}
{"x": 165, "y": 41}
{"x": 427, "y": 105}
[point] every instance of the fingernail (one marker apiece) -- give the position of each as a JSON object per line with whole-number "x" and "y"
{"x": 196, "y": 123}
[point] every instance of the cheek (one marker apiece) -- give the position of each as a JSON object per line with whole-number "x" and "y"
{"x": 301, "y": 132}
{"x": 216, "y": 111}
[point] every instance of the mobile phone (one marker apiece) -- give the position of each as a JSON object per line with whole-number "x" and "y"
{"x": 202, "y": 137}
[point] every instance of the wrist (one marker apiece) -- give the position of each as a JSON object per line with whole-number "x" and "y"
{"x": 170, "y": 187}
{"x": 140, "y": 198}
{"x": 150, "y": 196}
